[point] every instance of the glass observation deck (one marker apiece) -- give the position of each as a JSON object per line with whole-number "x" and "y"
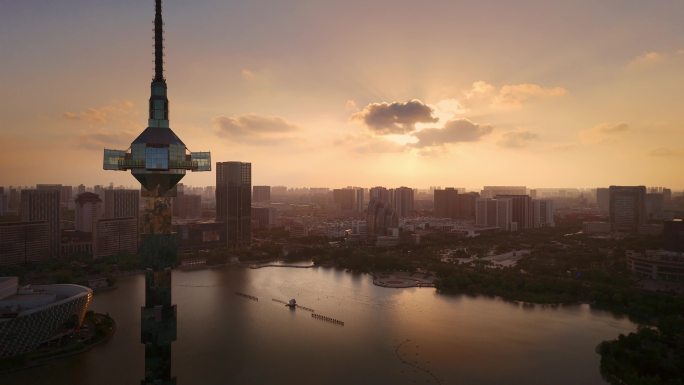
{"x": 156, "y": 159}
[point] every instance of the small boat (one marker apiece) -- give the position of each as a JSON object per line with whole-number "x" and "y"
{"x": 292, "y": 303}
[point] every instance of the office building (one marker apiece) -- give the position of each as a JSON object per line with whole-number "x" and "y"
{"x": 43, "y": 205}
{"x": 655, "y": 206}
{"x": 23, "y": 242}
{"x": 34, "y": 315}
{"x": 402, "y": 201}
{"x": 88, "y": 211}
{"x": 113, "y": 236}
{"x": 261, "y": 194}
{"x": 234, "y": 201}
{"x": 627, "y": 208}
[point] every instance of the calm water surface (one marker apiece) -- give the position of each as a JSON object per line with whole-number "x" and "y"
{"x": 391, "y": 336}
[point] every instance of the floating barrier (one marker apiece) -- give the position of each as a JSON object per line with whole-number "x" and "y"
{"x": 253, "y": 298}
{"x": 279, "y": 301}
{"x": 306, "y": 308}
{"x": 327, "y": 319}
{"x": 415, "y": 364}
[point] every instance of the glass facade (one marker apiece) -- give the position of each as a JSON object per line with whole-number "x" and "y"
{"x": 112, "y": 159}
{"x": 202, "y": 159}
{"x": 157, "y": 158}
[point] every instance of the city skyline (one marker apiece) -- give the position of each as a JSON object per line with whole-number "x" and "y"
{"x": 403, "y": 95}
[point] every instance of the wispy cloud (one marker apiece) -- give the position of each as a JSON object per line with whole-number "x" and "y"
{"x": 604, "y": 133}
{"x": 517, "y": 139}
{"x": 454, "y": 131}
{"x": 255, "y": 129}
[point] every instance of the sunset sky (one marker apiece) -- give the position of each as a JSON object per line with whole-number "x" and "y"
{"x": 357, "y": 92}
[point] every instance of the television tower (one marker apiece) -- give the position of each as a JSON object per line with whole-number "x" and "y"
{"x": 158, "y": 159}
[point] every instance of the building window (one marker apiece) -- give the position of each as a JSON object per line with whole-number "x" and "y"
{"x": 157, "y": 158}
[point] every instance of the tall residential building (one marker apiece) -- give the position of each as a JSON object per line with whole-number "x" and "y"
{"x": 121, "y": 203}
{"x": 495, "y": 213}
{"x": 88, "y": 211}
{"x": 493, "y": 191}
{"x": 115, "y": 236}
{"x": 234, "y": 201}
{"x": 603, "y": 200}
{"x": 22, "y": 242}
{"x": 543, "y": 213}
{"x": 380, "y": 194}
{"x": 522, "y": 209}
{"x": 80, "y": 189}
{"x": 3, "y": 202}
{"x": 627, "y": 208}
{"x": 344, "y": 199}
{"x": 445, "y": 202}
{"x": 261, "y": 194}
{"x": 379, "y": 219}
{"x": 360, "y": 200}
{"x": 402, "y": 201}
{"x": 43, "y": 205}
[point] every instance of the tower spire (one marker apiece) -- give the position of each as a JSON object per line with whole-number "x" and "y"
{"x": 158, "y": 43}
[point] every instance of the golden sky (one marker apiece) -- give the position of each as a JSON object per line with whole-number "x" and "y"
{"x": 337, "y": 93}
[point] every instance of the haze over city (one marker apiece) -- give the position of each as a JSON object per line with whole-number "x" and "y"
{"x": 553, "y": 94}
{"x": 341, "y": 192}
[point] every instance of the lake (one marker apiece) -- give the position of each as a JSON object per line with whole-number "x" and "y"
{"x": 390, "y": 336}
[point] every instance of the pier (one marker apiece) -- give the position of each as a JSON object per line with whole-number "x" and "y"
{"x": 327, "y": 319}
{"x": 253, "y": 298}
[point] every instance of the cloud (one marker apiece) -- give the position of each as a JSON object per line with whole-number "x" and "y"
{"x": 604, "y": 132}
{"x": 255, "y": 129}
{"x": 518, "y": 94}
{"x": 517, "y": 139}
{"x": 666, "y": 152}
{"x": 454, "y": 131}
{"x": 396, "y": 117}
{"x": 115, "y": 112}
{"x": 646, "y": 59}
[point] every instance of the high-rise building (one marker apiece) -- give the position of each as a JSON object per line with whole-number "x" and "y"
{"x": 445, "y": 202}
{"x": 3, "y": 202}
{"x": 88, "y": 211}
{"x": 465, "y": 206}
{"x": 627, "y": 208}
{"x": 379, "y": 219}
{"x": 121, "y": 203}
{"x": 80, "y": 189}
{"x": 603, "y": 200}
{"x": 543, "y": 213}
{"x": 43, "y": 205}
{"x": 380, "y": 194}
{"x": 673, "y": 233}
{"x": 261, "y": 194}
{"x": 522, "y": 210}
{"x": 234, "y": 201}
{"x": 495, "y": 213}
{"x": 22, "y": 242}
{"x": 360, "y": 201}
{"x": 115, "y": 236}
{"x": 402, "y": 201}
